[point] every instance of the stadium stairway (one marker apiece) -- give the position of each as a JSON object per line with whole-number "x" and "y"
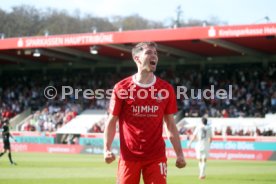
{"x": 19, "y": 118}
{"x": 83, "y": 122}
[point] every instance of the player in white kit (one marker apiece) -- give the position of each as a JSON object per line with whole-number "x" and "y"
{"x": 203, "y": 134}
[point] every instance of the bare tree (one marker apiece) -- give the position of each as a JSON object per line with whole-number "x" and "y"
{"x": 28, "y": 21}
{"x": 135, "y": 22}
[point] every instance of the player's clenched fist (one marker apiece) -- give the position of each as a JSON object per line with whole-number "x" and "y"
{"x": 109, "y": 157}
{"x": 180, "y": 162}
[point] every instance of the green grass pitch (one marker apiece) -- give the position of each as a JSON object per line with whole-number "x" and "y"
{"x": 41, "y": 168}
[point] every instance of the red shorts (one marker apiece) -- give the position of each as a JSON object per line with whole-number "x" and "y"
{"x": 153, "y": 171}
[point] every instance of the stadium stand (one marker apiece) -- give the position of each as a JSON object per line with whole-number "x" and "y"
{"x": 83, "y": 122}
{"x": 216, "y": 55}
{"x": 253, "y": 90}
{"x": 253, "y": 87}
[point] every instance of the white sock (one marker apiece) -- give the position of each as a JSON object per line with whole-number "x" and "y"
{"x": 199, "y": 167}
{"x": 203, "y": 166}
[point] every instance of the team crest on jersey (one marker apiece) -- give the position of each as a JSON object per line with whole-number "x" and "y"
{"x": 130, "y": 100}
{"x": 158, "y": 97}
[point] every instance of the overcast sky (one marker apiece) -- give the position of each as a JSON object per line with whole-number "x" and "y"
{"x": 230, "y": 11}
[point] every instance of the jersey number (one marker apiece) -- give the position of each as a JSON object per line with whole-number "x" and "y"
{"x": 203, "y": 134}
{"x": 163, "y": 168}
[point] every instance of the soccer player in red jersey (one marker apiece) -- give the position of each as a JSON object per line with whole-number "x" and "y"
{"x": 141, "y": 103}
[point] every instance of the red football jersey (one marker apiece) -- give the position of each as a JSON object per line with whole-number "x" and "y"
{"x": 140, "y": 108}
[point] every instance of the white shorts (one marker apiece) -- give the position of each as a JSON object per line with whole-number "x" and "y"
{"x": 202, "y": 154}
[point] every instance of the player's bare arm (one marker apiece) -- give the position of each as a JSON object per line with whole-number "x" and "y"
{"x": 11, "y": 136}
{"x": 173, "y": 135}
{"x": 210, "y": 139}
{"x": 109, "y": 134}
{"x": 191, "y": 141}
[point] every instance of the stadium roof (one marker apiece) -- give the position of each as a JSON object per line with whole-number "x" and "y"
{"x": 242, "y": 43}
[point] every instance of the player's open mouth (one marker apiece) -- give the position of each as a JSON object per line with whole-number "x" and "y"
{"x": 152, "y": 63}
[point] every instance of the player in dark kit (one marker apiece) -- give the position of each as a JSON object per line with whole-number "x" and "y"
{"x": 6, "y": 141}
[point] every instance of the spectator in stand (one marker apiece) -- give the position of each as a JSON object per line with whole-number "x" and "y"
{"x": 253, "y": 93}
{"x": 224, "y": 113}
{"x": 273, "y": 102}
